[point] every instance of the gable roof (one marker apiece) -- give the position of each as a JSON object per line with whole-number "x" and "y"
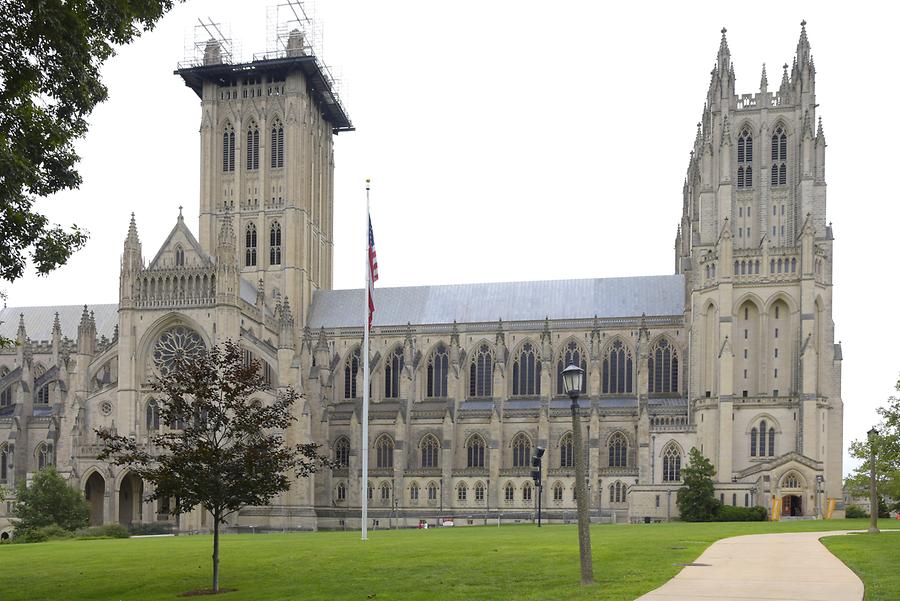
{"x": 511, "y": 301}
{"x": 180, "y": 226}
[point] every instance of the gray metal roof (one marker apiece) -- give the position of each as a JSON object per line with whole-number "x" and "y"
{"x": 511, "y": 301}
{"x": 39, "y": 320}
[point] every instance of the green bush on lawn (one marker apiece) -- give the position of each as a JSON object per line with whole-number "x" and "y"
{"x": 728, "y": 513}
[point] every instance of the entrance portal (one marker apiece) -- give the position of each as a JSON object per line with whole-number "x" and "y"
{"x": 94, "y": 492}
{"x": 131, "y": 492}
{"x": 791, "y": 505}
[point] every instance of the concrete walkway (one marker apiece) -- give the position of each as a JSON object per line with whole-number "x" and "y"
{"x": 765, "y": 567}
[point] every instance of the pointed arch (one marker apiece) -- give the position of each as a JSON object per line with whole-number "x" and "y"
{"x": 227, "y": 147}
{"x": 275, "y": 243}
{"x": 436, "y": 371}
{"x": 414, "y": 491}
{"x": 566, "y": 451}
{"x": 5, "y": 463}
{"x": 779, "y": 149}
{"x": 252, "y": 146}
{"x": 393, "y": 368}
{"x": 250, "y": 245}
{"x": 43, "y": 455}
{"x": 617, "y": 448}
{"x": 351, "y": 371}
{"x": 429, "y": 447}
{"x": 475, "y": 447}
{"x": 509, "y": 492}
{"x": 792, "y": 479}
{"x": 671, "y": 462}
{"x": 151, "y": 415}
{"x": 479, "y": 492}
{"x": 558, "y": 491}
{"x": 42, "y": 395}
{"x": 342, "y": 451}
{"x": 617, "y": 368}
{"x": 572, "y": 353}
{"x": 481, "y": 371}
{"x": 526, "y": 370}
{"x": 277, "y": 144}
{"x": 384, "y": 451}
{"x": 521, "y": 450}
{"x": 663, "y": 366}
{"x": 462, "y": 491}
{"x": 745, "y": 158}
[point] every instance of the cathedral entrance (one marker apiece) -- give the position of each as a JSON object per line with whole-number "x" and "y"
{"x": 131, "y": 492}
{"x": 791, "y": 505}
{"x": 95, "y": 492}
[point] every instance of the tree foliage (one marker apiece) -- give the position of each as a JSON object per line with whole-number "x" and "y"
{"x": 51, "y": 52}
{"x": 696, "y": 498}
{"x": 49, "y": 501}
{"x": 887, "y": 454}
{"x": 231, "y": 450}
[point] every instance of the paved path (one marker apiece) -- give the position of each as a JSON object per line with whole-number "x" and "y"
{"x": 765, "y": 567}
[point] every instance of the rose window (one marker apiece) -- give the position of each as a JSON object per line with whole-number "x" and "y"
{"x": 175, "y": 345}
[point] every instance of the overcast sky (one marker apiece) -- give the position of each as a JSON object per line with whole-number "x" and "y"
{"x": 516, "y": 141}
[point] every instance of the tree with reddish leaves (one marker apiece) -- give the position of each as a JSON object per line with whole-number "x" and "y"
{"x": 225, "y": 448}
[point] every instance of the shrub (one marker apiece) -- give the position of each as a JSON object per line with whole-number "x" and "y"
{"x": 154, "y": 528}
{"x": 105, "y": 531}
{"x": 41, "y": 534}
{"x": 48, "y": 501}
{"x": 855, "y": 511}
{"x": 729, "y": 513}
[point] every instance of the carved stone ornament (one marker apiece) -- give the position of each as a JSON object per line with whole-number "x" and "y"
{"x": 176, "y": 344}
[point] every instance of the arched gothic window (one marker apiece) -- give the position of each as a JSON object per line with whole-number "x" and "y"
{"x": 228, "y": 148}
{"x": 526, "y": 372}
{"x": 341, "y": 492}
{"x": 475, "y": 451}
{"x": 762, "y": 440}
{"x": 4, "y": 463}
{"x": 791, "y": 480}
{"x": 430, "y": 447}
{"x": 618, "y": 450}
{"x": 152, "y": 416}
{"x": 779, "y": 157}
{"x": 509, "y": 492}
{"x": 618, "y": 369}
{"x": 393, "y": 367}
{"x": 414, "y": 491}
{"x": 571, "y": 355}
{"x": 617, "y": 492}
{"x": 671, "y": 463}
{"x": 462, "y": 492}
{"x": 745, "y": 159}
{"x": 384, "y": 451}
{"x": 351, "y": 368}
{"x": 521, "y": 447}
{"x": 44, "y": 456}
{"x": 526, "y": 492}
{"x": 558, "y": 491}
{"x": 369, "y": 490}
{"x": 662, "y": 366}
{"x": 277, "y": 145}
{"x": 250, "y": 245}
{"x": 481, "y": 373}
{"x": 436, "y": 371}
{"x": 385, "y": 493}
{"x": 479, "y": 492}
{"x": 43, "y": 395}
{"x": 566, "y": 454}
{"x": 6, "y": 397}
{"x": 252, "y": 147}
{"x": 342, "y": 452}
{"x": 179, "y": 256}
{"x": 275, "y": 243}
{"x": 432, "y": 491}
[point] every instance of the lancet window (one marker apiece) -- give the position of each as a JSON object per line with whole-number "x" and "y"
{"x": 662, "y": 367}
{"x": 762, "y": 440}
{"x": 436, "y": 372}
{"x": 571, "y": 355}
{"x": 521, "y": 447}
{"x": 527, "y": 372}
{"x": 779, "y": 157}
{"x": 392, "y": 369}
{"x": 351, "y": 369}
{"x": 618, "y": 450}
{"x": 475, "y": 451}
{"x": 228, "y": 148}
{"x": 745, "y": 159}
{"x": 481, "y": 373}
{"x": 152, "y": 416}
{"x": 275, "y": 243}
{"x": 671, "y": 463}
{"x": 618, "y": 369}
{"x": 566, "y": 454}
{"x": 430, "y": 448}
{"x": 342, "y": 452}
{"x": 384, "y": 451}
{"x": 252, "y": 147}
{"x": 250, "y": 245}
{"x": 277, "y": 158}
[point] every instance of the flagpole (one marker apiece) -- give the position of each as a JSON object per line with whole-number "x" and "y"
{"x": 364, "y": 448}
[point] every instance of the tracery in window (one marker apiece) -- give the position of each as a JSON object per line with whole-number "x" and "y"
{"x": 393, "y": 367}
{"x": 179, "y": 256}
{"x": 618, "y": 450}
{"x": 779, "y": 157}
{"x": 618, "y": 369}
{"x": 384, "y": 451}
{"x": 175, "y": 345}
{"x": 558, "y": 492}
{"x": 762, "y": 440}
{"x": 571, "y": 355}
{"x": 462, "y": 491}
{"x": 342, "y": 452}
{"x": 745, "y": 159}
{"x": 791, "y": 480}
{"x": 526, "y": 492}
{"x": 479, "y": 492}
{"x": 6, "y": 396}
{"x": 341, "y": 492}
{"x": 436, "y": 372}
{"x": 526, "y": 372}
{"x": 481, "y": 373}
{"x": 663, "y": 367}
{"x": 671, "y": 463}
{"x": 275, "y": 243}
{"x": 432, "y": 491}
{"x": 277, "y": 145}
{"x": 44, "y": 456}
{"x": 252, "y": 147}
{"x": 414, "y": 491}
{"x": 521, "y": 447}
{"x": 385, "y": 492}
{"x": 228, "y": 148}
{"x": 566, "y": 455}
{"x": 250, "y": 245}
{"x": 152, "y": 416}
{"x": 42, "y": 397}
{"x": 509, "y": 492}
{"x": 475, "y": 451}
{"x": 351, "y": 369}
{"x": 429, "y": 447}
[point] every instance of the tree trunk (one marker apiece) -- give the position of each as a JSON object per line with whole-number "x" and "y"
{"x": 215, "y": 557}
{"x": 581, "y": 499}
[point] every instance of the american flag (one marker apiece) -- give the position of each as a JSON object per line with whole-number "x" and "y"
{"x": 373, "y": 272}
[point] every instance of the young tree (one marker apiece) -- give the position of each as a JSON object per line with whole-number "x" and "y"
{"x": 228, "y": 450}
{"x": 887, "y": 454}
{"x": 49, "y": 501}
{"x": 50, "y": 57}
{"x": 696, "y": 498}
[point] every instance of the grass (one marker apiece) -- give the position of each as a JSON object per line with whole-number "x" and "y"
{"x": 874, "y": 558}
{"x": 512, "y": 562}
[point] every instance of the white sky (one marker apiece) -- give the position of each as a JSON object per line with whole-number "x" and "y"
{"x": 516, "y": 141}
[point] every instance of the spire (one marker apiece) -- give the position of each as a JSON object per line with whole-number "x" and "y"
{"x": 724, "y": 57}
{"x": 820, "y": 133}
{"x": 21, "y": 335}
{"x": 57, "y": 330}
{"x": 132, "y": 238}
{"x": 763, "y": 81}
{"x": 131, "y": 255}
{"x": 803, "y": 48}
{"x": 85, "y": 318}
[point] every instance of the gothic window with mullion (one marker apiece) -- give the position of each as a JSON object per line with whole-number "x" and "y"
{"x": 671, "y": 463}
{"x": 228, "y": 148}
{"x": 526, "y": 379}
{"x": 618, "y": 450}
{"x": 745, "y": 159}
{"x": 250, "y": 245}
{"x": 252, "y": 147}
{"x": 618, "y": 369}
{"x": 384, "y": 452}
{"x": 277, "y": 145}
{"x": 275, "y": 243}
{"x": 436, "y": 373}
{"x": 392, "y": 369}
{"x": 351, "y": 369}
{"x": 571, "y": 355}
{"x": 779, "y": 157}
{"x": 521, "y": 450}
{"x": 430, "y": 448}
{"x": 342, "y": 452}
{"x": 481, "y": 373}
{"x": 475, "y": 451}
{"x": 566, "y": 454}
{"x": 762, "y": 440}
{"x": 662, "y": 367}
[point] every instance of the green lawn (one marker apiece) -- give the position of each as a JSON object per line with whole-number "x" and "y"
{"x": 465, "y": 563}
{"x": 874, "y": 558}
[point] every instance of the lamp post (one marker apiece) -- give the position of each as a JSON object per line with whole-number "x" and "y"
{"x": 573, "y": 376}
{"x": 873, "y": 492}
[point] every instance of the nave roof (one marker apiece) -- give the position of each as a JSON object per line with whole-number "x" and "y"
{"x": 39, "y": 320}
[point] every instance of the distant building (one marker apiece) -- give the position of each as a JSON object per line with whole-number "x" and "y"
{"x": 733, "y": 354}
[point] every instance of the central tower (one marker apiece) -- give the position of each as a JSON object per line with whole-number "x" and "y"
{"x": 267, "y": 160}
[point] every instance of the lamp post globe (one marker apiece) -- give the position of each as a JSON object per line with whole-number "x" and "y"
{"x": 573, "y": 380}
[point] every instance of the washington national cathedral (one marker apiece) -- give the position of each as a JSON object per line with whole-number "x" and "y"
{"x": 733, "y": 354}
